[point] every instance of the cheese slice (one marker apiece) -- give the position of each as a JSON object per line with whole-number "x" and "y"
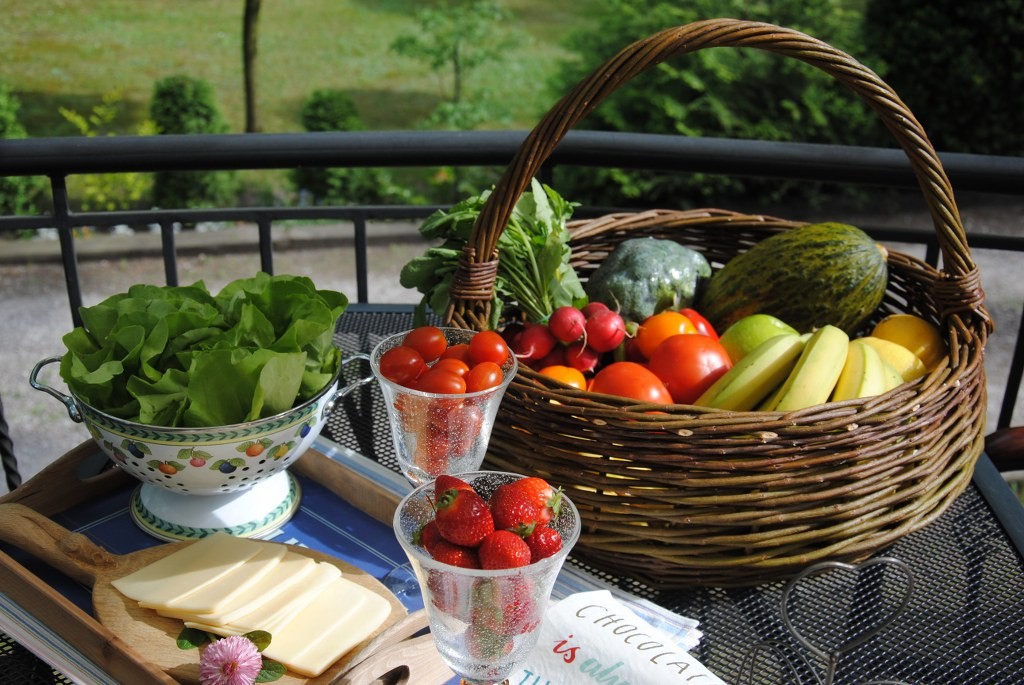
{"x": 229, "y": 587}
{"x": 287, "y": 573}
{"x": 272, "y": 614}
{"x": 343, "y": 615}
{"x": 187, "y": 570}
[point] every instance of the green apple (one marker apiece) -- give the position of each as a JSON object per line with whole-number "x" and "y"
{"x": 749, "y": 332}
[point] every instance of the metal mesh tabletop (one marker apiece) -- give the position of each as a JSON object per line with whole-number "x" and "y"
{"x": 944, "y": 605}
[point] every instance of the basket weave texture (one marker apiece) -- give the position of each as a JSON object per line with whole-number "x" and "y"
{"x": 680, "y": 495}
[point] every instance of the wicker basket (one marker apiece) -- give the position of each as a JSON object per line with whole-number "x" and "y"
{"x": 693, "y": 496}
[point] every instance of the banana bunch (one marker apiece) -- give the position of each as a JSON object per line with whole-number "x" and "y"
{"x": 792, "y": 371}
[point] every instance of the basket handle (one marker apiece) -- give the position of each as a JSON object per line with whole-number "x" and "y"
{"x": 959, "y": 290}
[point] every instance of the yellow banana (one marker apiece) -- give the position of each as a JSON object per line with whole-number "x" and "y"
{"x": 755, "y": 375}
{"x": 893, "y": 378}
{"x": 863, "y": 374}
{"x": 816, "y": 372}
{"x": 908, "y": 364}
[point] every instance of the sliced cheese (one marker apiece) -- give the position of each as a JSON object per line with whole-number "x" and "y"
{"x": 215, "y": 628}
{"x": 344, "y": 615}
{"x": 230, "y": 587}
{"x": 187, "y": 570}
{"x": 287, "y": 573}
{"x": 272, "y": 614}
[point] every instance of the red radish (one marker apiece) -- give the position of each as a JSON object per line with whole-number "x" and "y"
{"x": 592, "y": 308}
{"x": 605, "y": 330}
{"x": 567, "y": 323}
{"x": 556, "y": 357}
{"x": 582, "y": 358}
{"x": 511, "y": 333}
{"x": 534, "y": 342}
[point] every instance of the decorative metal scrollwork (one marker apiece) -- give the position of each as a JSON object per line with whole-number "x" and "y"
{"x": 875, "y": 594}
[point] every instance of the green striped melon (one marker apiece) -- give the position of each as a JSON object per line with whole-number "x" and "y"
{"x": 826, "y": 273}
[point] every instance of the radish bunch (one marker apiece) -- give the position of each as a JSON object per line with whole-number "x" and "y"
{"x": 572, "y": 337}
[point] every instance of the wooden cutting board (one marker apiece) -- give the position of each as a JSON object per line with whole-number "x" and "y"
{"x": 389, "y": 649}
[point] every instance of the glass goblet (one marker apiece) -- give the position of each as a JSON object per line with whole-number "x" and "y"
{"x": 484, "y": 622}
{"x": 438, "y": 433}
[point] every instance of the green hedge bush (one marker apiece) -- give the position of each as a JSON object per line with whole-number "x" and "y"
{"x": 958, "y": 66}
{"x": 729, "y": 93}
{"x": 17, "y": 193}
{"x": 330, "y": 109}
{"x": 185, "y": 105}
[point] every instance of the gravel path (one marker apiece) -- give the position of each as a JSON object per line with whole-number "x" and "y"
{"x": 36, "y": 314}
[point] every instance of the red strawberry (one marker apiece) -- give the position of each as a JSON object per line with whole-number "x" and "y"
{"x": 538, "y": 489}
{"x": 428, "y": 536}
{"x": 503, "y": 549}
{"x": 515, "y": 511}
{"x": 463, "y": 517}
{"x": 456, "y": 555}
{"x": 543, "y": 542}
{"x": 446, "y": 482}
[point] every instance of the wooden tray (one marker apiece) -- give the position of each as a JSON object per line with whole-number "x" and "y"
{"x": 392, "y": 656}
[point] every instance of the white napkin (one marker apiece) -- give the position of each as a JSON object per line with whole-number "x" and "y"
{"x": 591, "y": 637}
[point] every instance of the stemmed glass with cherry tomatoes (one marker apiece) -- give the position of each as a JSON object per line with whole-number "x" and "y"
{"x": 442, "y": 388}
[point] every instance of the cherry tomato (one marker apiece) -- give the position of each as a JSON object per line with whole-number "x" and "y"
{"x": 429, "y": 341}
{"x": 703, "y": 326}
{"x": 441, "y": 382}
{"x": 401, "y": 365}
{"x": 488, "y": 346}
{"x": 484, "y": 376}
{"x": 459, "y": 351}
{"x": 688, "y": 364}
{"x": 660, "y": 326}
{"x": 629, "y": 379}
{"x": 456, "y": 366}
{"x": 566, "y": 374}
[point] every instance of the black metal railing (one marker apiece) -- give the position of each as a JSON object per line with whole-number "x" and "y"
{"x": 59, "y": 158}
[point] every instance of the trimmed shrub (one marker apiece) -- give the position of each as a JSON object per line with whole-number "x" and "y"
{"x": 108, "y": 192}
{"x": 958, "y": 66}
{"x": 17, "y": 193}
{"x": 329, "y": 109}
{"x": 185, "y": 105}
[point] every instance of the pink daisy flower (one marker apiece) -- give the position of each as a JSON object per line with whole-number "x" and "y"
{"x": 231, "y": 661}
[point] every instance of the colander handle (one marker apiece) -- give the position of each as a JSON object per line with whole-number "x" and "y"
{"x": 358, "y": 383}
{"x": 68, "y": 401}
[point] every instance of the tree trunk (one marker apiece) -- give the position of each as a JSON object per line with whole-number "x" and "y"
{"x": 249, "y": 41}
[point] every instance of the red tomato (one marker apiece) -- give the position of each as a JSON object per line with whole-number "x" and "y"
{"x": 488, "y": 346}
{"x": 660, "y": 326}
{"x": 459, "y": 351}
{"x": 688, "y": 364}
{"x": 429, "y": 341}
{"x": 484, "y": 376}
{"x": 704, "y": 326}
{"x": 401, "y": 365}
{"x": 441, "y": 382}
{"x": 456, "y": 366}
{"x": 629, "y": 379}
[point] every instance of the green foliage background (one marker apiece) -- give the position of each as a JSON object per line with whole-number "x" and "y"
{"x": 957, "y": 65}
{"x": 730, "y": 93}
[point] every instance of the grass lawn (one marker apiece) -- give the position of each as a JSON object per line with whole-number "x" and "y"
{"x": 59, "y": 53}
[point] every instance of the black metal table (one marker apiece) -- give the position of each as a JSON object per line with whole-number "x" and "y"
{"x": 943, "y": 606}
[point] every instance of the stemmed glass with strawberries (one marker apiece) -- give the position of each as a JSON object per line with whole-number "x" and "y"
{"x": 486, "y": 548}
{"x": 442, "y": 387}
